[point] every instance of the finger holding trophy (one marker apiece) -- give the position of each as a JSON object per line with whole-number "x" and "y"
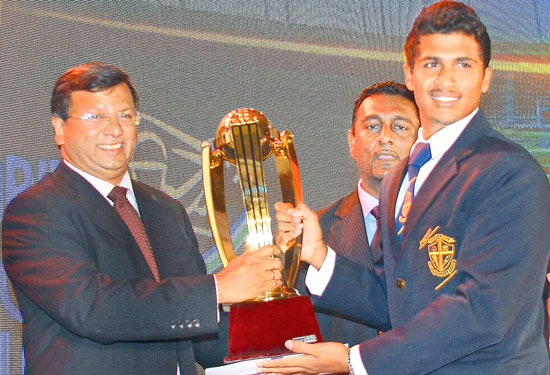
{"x": 250, "y": 274}
{"x": 301, "y": 221}
{"x": 260, "y": 326}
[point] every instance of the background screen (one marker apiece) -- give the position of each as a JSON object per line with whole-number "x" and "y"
{"x": 301, "y": 62}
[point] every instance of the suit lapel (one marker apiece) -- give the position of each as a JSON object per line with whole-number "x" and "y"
{"x": 347, "y": 232}
{"x": 388, "y": 197}
{"x": 442, "y": 174}
{"x": 103, "y": 215}
{"x": 153, "y": 222}
{"x": 99, "y": 211}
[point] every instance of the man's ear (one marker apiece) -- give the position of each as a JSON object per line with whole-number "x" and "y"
{"x": 486, "y": 79}
{"x": 408, "y": 76}
{"x": 58, "y": 130}
{"x": 351, "y": 142}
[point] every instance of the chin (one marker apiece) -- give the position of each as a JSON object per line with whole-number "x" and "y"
{"x": 447, "y": 120}
{"x": 379, "y": 175}
{"x": 384, "y": 168}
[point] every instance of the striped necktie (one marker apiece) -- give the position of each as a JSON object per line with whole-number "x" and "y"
{"x": 420, "y": 155}
{"x": 130, "y": 216}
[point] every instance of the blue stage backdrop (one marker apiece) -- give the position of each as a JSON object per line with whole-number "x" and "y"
{"x": 302, "y": 62}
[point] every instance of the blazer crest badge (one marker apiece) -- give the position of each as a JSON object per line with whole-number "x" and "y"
{"x": 441, "y": 252}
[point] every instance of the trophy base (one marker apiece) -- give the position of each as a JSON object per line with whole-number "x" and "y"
{"x": 260, "y": 329}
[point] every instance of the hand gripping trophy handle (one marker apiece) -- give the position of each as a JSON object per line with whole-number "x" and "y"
{"x": 245, "y": 137}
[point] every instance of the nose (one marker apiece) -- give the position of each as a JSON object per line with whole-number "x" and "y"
{"x": 446, "y": 76}
{"x": 112, "y": 126}
{"x": 385, "y": 135}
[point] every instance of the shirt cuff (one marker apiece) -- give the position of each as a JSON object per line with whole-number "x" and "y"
{"x": 217, "y": 300}
{"x": 317, "y": 281}
{"x": 356, "y": 362}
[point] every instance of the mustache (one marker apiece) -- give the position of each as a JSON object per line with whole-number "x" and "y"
{"x": 441, "y": 92}
{"x": 386, "y": 152}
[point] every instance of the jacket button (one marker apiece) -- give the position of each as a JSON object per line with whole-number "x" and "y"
{"x": 401, "y": 283}
{"x": 173, "y": 324}
{"x": 196, "y": 323}
{"x": 188, "y": 324}
{"x": 180, "y": 324}
{"x": 380, "y": 332}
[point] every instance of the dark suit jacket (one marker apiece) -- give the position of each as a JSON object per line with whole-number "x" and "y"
{"x": 344, "y": 231}
{"x": 88, "y": 299}
{"x": 493, "y": 199}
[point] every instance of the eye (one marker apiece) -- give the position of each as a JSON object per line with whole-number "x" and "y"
{"x": 125, "y": 116}
{"x": 464, "y": 64}
{"x": 431, "y": 64}
{"x": 401, "y": 128}
{"x": 92, "y": 116}
{"x": 373, "y": 127}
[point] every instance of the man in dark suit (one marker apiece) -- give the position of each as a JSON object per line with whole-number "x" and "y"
{"x": 384, "y": 127}
{"x": 106, "y": 283}
{"x": 460, "y": 285}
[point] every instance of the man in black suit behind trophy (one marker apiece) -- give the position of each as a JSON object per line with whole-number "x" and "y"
{"x": 383, "y": 128}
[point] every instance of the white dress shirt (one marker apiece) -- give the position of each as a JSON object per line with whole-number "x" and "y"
{"x": 368, "y": 202}
{"x": 104, "y": 187}
{"x": 440, "y": 143}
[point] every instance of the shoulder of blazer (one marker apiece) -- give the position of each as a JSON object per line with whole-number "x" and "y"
{"x": 146, "y": 194}
{"x": 479, "y": 139}
{"x": 62, "y": 185}
{"x": 341, "y": 207}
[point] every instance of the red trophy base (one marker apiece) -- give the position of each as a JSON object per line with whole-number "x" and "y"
{"x": 259, "y": 329}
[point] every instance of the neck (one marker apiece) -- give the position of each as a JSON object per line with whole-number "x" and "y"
{"x": 371, "y": 187}
{"x": 430, "y": 127}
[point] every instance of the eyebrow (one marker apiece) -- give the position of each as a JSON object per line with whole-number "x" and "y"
{"x": 396, "y": 117}
{"x": 402, "y": 119}
{"x": 459, "y": 59}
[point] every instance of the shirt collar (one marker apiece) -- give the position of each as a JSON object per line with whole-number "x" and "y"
{"x": 444, "y": 138}
{"x": 368, "y": 202}
{"x": 102, "y": 186}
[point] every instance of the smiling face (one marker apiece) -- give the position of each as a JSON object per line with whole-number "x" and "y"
{"x": 385, "y": 128}
{"x": 102, "y": 149}
{"x": 448, "y": 78}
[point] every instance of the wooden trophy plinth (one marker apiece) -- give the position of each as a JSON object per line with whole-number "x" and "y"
{"x": 260, "y": 329}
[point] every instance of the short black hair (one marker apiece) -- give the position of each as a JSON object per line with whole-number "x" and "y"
{"x": 384, "y": 88}
{"x": 93, "y": 76}
{"x": 446, "y": 17}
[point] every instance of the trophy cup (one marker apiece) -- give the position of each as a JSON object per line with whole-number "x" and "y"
{"x": 245, "y": 137}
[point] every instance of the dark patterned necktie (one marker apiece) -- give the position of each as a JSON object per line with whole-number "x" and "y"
{"x": 130, "y": 216}
{"x": 420, "y": 155}
{"x": 376, "y": 213}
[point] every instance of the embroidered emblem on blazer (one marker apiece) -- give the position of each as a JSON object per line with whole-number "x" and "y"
{"x": 441, "y": 251}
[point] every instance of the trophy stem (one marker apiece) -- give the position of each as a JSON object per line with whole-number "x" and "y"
{"x": 282, "y": 291}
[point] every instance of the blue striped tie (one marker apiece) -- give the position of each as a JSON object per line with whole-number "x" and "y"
{"x": 420, "y": 155}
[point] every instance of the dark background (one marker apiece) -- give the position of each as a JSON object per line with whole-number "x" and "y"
{"x": 301, "y": 62}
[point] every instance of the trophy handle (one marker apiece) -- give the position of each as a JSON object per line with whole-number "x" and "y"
{"x": 291, "y": 191}
{"x": 214, "y": 196}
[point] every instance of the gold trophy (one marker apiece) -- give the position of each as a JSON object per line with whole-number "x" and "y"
{"x": 246, "y": 138}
